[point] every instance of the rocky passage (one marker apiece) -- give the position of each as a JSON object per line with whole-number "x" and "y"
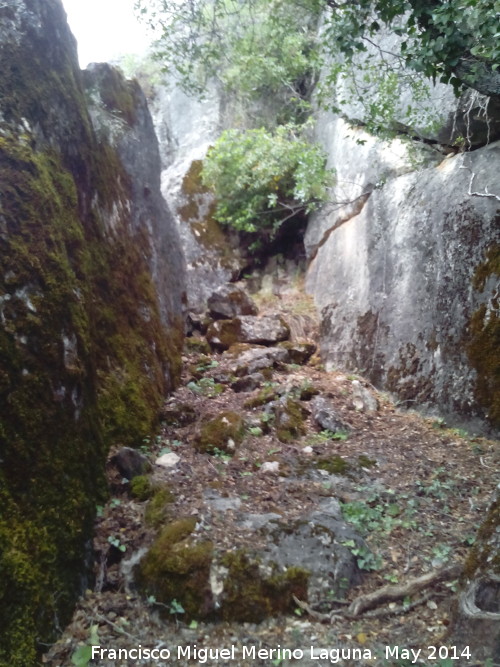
{"x": 273, "y": 497}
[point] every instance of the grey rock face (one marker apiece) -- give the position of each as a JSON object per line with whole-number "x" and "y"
{"x": 136, "y": 143}
{"x": 395, "y": 283}
{"x": 90, "y": 319}
{"x": 186, "y": 127}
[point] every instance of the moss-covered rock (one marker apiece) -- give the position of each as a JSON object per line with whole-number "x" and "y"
{"x": 199, "y": 345}
{"x": 157, "y": 509}
{"x": 141, "y": 487}
{"x": 87, "y": 346}
{"x": 250, "y": 595}
{"x": 290, "y": 416}
{"x": 222, "y": 433}
{"x": 264, "y": 396}
{"x": 177, "y": 568}
{"x": 335, "y": 465}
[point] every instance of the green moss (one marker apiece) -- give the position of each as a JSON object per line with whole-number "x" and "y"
{"x": 198, "y": 212}
{"x": 250, "y": 597}
{"x": 177, "y": 568}
{"x": 198, "y": 345}
{"x": 192, "y": 183}
{"x": 51, "y": 447}
{"x": 157, "y": 508}
{"x": 335, "y": 465}
{"x": 80, "y": 366}
{"x": 141, "y": 487}
{"x": 366, "y": 462}
{"x": 483, "y": 344}
{"x": 290, "y": 421}
{"x": 218, "y": 433}
{"x": 119, "y": 96}
{"x": 265, "y": 395}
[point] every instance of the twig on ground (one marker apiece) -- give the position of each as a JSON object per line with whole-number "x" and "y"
{"x": 388, "y": 593}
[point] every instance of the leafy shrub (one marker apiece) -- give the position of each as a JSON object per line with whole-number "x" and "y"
{"x": 261, "y": 179}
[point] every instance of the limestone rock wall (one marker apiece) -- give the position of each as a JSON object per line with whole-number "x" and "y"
{"x": 186, "y": 127}
{"x": 405, "y": 274}
{"x": 90, "y": 309}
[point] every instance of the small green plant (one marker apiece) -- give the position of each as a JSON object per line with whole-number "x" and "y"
{"x": 207, "y": 365}
{"x": 365, "y": 558}
{"x": 206, "y": 387}
{"x": 115, "y": 542}
{"x": 83, "y": 654}
{"x": 255, "y": 430}
{"x": 221, "y": 454}
{"x": 176, "y": 607}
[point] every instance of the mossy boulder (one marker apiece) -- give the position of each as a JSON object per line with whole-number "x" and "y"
{"x": 157, "y": 509}
{"x": 335, "y": 465}
{"x": 290, "y": 418}
{"x": 265, "y": 395}
{"x": 253, "y": 592}
{"x": 177, "y": 567}
{"x": 220, "y": 434}
{"x": 141, "y": 488}
{"x": 197, "y": 345}
{"x": 88, "y": 346}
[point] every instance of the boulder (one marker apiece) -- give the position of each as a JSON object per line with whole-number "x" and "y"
{"x": 220, "y": 434}
{"x": 289, "y": 416}
{"x": 255, "y": 359}
{"x": 298, "y": 353}
{"x": 325, "y": 415}
{"x": 267, "y": 330}
{"x": 363, "y": 399}
{"x": 316, "y": 541}
{"x": 306, "y": 560}
{"x": 248, "y": 382}
{"x": 130, "y": 463}
{"x": 230, "y": 301}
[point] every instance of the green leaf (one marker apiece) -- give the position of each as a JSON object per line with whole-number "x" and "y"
{"x": 82, "y": 656}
